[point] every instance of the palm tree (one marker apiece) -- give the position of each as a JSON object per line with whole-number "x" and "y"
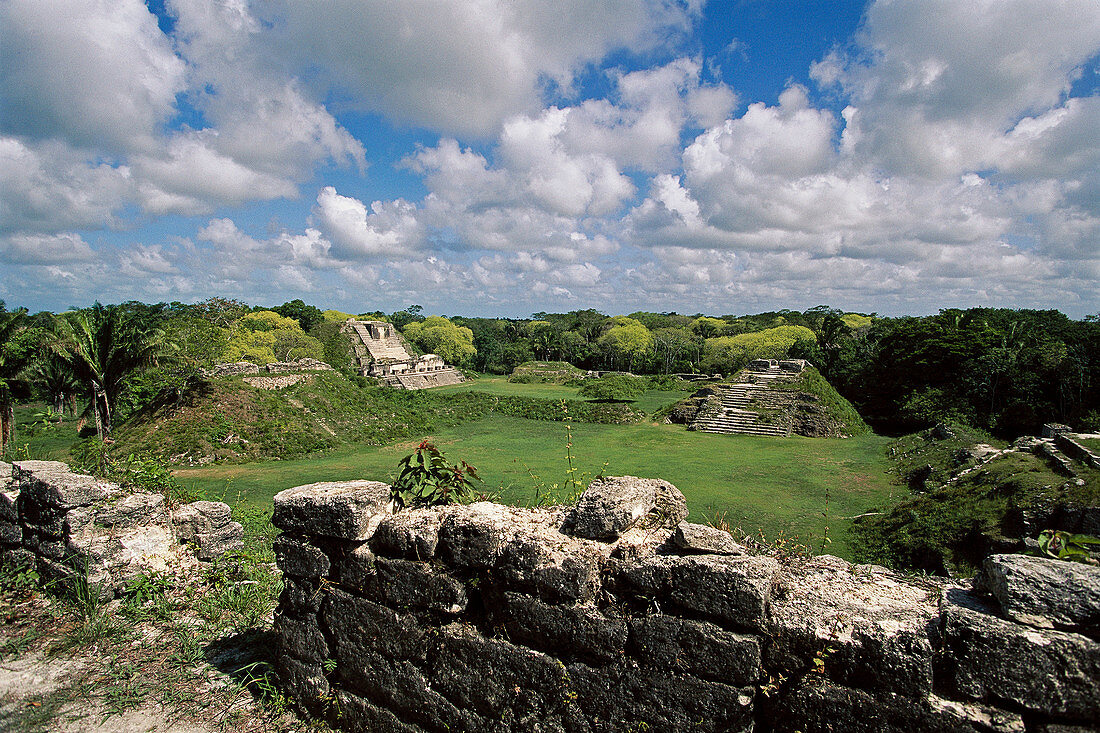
{"x": 103, "y": 345}
{"x": 56, "y": 379}
{"x": 13, "y": 362}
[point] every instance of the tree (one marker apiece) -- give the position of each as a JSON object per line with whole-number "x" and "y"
{"x": 14, "y": 360}
{"x": 307, "y": 316}
{"x": 436, "y": 335}
{"x": 55, "y": 379}
{"x": 265, "y": 336}
{"x": 104, "y": 345}
{"x": 627, "y": 341}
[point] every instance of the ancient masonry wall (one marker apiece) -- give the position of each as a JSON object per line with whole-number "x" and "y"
{"x": 69, "y": 525}
{"x": 618, "y": 615}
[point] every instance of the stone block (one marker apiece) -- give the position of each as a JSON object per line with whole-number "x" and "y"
{"x": 301, "y": 637}
{"x": 10, "y": 533}
{"x": 473, "y": 536}
{"x": 357, "y": 626}
{"x": 498, "y": 680}
{"x": 565, "y": 630}
{"x": 410, "y": 533}
{"x": 305, "y": 681}
{"x": 1053, "y": 673}
{"x": 132, "y": 511}
{"x": 200, "y": 518}
{"x": 870, "y": 627}
{"x": 300, "y": 597}
{"x": 9, "y": 503}
{"x": 611, "y": 506}
{"x": 816, "y": 705}
{"x": 700, "y": 648}
{"x": 411, "y": 584}
{"x": 358, "y": 714}
{"x": 550, "y": 565}
{"x": 622, "y": 698}
{"x": 349, "y": 510}
{"x": 5, "y": 475}
{"x": 733, "y": 589}
{"x": 215, "y": 544}
{"x": 298, "y": 558}
{"x": 701, "y": 539}
{"x": 1043, "y": 592}
{"x": 51, "y": 483}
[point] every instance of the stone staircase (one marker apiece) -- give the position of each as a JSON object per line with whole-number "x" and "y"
{"x": 729, "y": 410}
{"x": 387, "y": 348}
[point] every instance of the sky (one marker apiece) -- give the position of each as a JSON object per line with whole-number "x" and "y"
{"x": 505, "y": 157}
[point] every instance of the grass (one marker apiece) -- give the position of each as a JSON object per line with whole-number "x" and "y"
{"x": 40, "y": 439}
{"x": 1093, "y": 444}
{"x": 649, "y": 403}
{"x": 776, "y": 485}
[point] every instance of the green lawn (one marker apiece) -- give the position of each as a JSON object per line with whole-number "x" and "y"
{"x": 648, "y": 403}
{"x": 774, "y": 485}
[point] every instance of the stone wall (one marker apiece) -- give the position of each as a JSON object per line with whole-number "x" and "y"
{"x": 70, "y": 525}
{"x": 618, "y": 615}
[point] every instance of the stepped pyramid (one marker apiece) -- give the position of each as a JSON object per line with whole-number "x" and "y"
{"x": 735, "y": 407}
{"x": 380, "y": 352}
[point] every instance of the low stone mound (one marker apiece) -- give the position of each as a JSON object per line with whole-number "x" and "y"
{"x": 70, "y": 526}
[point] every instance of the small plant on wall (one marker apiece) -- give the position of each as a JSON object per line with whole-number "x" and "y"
{"x": 426, "y": 479}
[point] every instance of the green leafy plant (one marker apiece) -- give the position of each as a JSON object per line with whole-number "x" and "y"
{"x": 426, "y": 479}
{"x": 1067, "y": 546}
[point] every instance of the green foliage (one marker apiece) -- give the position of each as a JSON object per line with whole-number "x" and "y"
{"x": 1067, "y": 546}
{"x": 139, "y": 471}
{"x": 728, "y": 354}
{"x": 547, "y": 372}
{"x": 307, "y": 316}
{"x": 836, "y": 407}
{"x": 627, "y": 342}
{"x": 437, "y": 335}
{"x": 426, "y": 479}
{"x": 614, "y": 388}
{"x": 263, "y": 337}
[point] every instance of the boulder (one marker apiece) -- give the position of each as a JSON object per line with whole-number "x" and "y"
{"x": 206, "y": 525}
{"x": 611, "y": 506}
{"x": 349, "y": 510}
{"x": 1043, "y": 592}
{"x": 52, "y": 484}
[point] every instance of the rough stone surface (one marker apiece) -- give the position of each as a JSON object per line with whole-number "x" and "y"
{"x": 699, "y": 647}
{"x": 609, "y": 507}
{"x": 348, "y": 510}
{"x": 1043, "y": 592}
{"x": 732, "y": 589}
{"x": 541, "y": 560}
{"x": 1050, "y": 672}
{"x": 299, "y": 559}
{"x": 51, "y": 483}
{"x": 871, "y": 627}
{"x": 409, "y": 584}
{"x": 566, "y": 630}
{"x": 411, "y": 534}
{"x": 200, "y": 517}
{"x": 699, "y": 538}
{"x": 474, "y": 537}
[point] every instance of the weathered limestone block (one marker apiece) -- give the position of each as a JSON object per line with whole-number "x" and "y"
{"x": 620, "y": 698}
{"x": 232, "y": 368}
{"x": 818, "y": 705}
{"x": 301, "y": 638}
{"x": 1050, "y": 672}
{"x": 357, "y": 714}
{"x": 305, "y": 681}
{"x": 220, "y": 541}
{"x": 697, "y": 647}
{"x": 870, "y": 626}
{"x": 5, "y": 475}
{"x": 704, "y": 540}
{"x": 200, "y": 517}
{"x": 734, "y": 589}
{"x": 358, "y": 625}
{"x": 11, "y": 531}
{"x": 411, "y": 584}
{"x": 473, "y": 536}
{"x": 299, "y": 559}
{"x": 610, "y": 506}
{"x": 115, "y": 542}
{"x": 305, "y": 364}
{"x": 410, "y": 533}
{"x": 51, "y": 483}
{"x": 498, "y": 680}
{"x": 356, "y": 570}
{"x": 565, "y": 630}
{"x": 349, "y": 510}
{"x": 300, "y": 597}
{"x": 555, "y": 567}
{"x": 1043, "y": 592}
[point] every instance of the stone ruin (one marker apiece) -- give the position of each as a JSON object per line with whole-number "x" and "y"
{"x": 379, "y": 352}
{"x": 234, "y": 368}
{"x": 617, "y": 614}
{"x": 68, "y": 525}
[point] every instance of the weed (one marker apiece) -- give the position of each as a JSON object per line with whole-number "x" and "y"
{"x": 426, "y": 479}
{"x": 126, "y": 689}
{"x": 1067, "y": 546}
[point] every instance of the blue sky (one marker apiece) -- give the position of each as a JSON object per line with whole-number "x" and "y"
{"x": 503, "y": 157}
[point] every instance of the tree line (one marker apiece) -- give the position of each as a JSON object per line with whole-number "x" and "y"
{"x": 1004, "y": 370}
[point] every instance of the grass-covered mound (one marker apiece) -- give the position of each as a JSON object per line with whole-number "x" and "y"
{"x": 952, "y": 526}
{"x": 818, "y": 410}
{"x": 229, "y": 419}
{"x": 547, "y": 372}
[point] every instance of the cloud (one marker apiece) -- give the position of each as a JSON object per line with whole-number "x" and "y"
{"x": 25, "y": 249}
{"x": 389, "y": 230}
{"x": 97, "y": 74}
{"x": 462, "y": 68}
